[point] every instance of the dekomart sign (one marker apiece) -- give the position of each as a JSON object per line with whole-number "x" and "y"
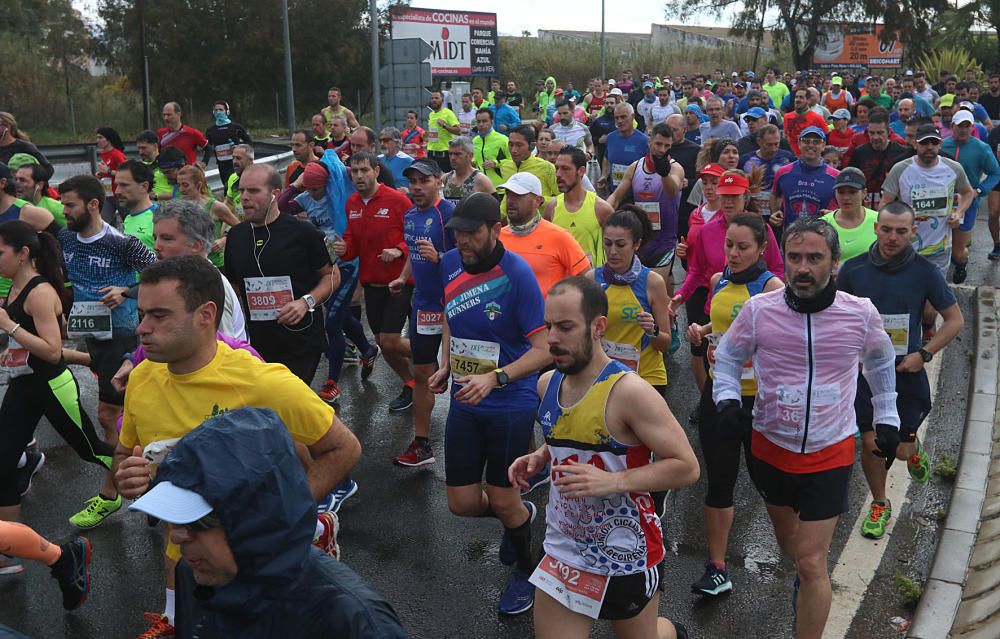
{"x": 462, "y": 42}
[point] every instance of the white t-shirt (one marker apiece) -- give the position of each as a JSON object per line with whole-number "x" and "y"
{"x": 573, "y": 135}
{"x": 931, "y": 194}
{"x": 233, "y": 323}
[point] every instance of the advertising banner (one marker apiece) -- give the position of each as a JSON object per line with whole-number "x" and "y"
{"x": 462, "y": 42}
{"x": 856, "y": 46}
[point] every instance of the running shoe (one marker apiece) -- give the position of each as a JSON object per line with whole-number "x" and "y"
{"x": 97, "y": 510}
{"x": 27, "y": 473}
{"x": 518, "y": 596}
{"x": 995, "y": 253}
{"x": 715, "y": 581}
{"x": 330, "y": 393}
{"x": 368, "y": 362}
{"x": 675, "y": 339}
{"x": 682, "y": 632}
{"x": 508, "y": 556}
{"x": 159, "y": 627}
{"x": 403, "y": 401}
{"x": 960, "y": 273}
{"x": 416, "y": 454}
{"x": 351, "y": 355}
{"x": 540, "y": 478}
{"x": 919, "y": 466}
{"x": 874, "y": 524}
{"x": 344, "y": 491}
{"x": 72, "y": 571}
{"x": 10, "y": 565}
{"x": 327, "y": 541}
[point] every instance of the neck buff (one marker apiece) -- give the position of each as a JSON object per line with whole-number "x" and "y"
{"x": 622, "y": 279}
{"x": 486, "y": 264}
{"x": 527, "y": 227}
{"x": 893, "y": 264}
{"x": 814, "y": 304}
{"x": 746, "y": 275}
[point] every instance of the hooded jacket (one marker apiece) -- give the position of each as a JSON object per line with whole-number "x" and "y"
{"x": 243, "y": 464}
{"x": 544, "y": 97}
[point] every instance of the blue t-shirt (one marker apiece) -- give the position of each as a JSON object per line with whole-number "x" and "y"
{"x": 806, "y": 189}
{"x": 491, "y": 315}
{"x": 320, "y": 213}
{"x": 109, "y": 258}
{"x": 751, "y": 160}
{"x": 621, "y": 152}
{"x": 897, "y": 295}
{"x": 398, "y": 163}
{"x": 428, "y": 224}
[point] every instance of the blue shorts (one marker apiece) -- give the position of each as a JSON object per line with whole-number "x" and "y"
{"x": 913, "y": 403}
{"x": 424, "y": 346}
{"x": 969, "y": 221}
{"x": 477, "y": 439}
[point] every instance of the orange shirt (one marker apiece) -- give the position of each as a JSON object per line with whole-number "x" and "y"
{"x": 551, "y": 251}
{"x": 834, "y": 456}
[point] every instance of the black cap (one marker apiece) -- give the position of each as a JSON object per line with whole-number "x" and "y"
{"x": 850, "y": 176}
{"x": 5, "y": 172}
{"x": 425, "y": 166}
{"x": 499, "y": 95}
{"x": 928, "y": 132}
{"x": 474, "y": 211}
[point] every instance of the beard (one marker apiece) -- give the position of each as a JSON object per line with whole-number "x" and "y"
{"x": 579, "y": 361}
{"x": 480, "y": 255}
{"x": 814, "y": 288}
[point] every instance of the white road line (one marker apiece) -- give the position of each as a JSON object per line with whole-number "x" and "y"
{"x": 861, "y": 557}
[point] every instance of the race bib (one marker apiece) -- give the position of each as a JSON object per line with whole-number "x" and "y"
{"x": 464, "y": 127}
{"x": 713, "y": 340}
{"x": 580, "y": 591}
{"x": 267, "y": 295}
{"x": 411, "y": 149}
{"x": 627, "y": 354}
{"x": 155, "y": 452}
{"x": 430, "y": 322}
{"x": 224, "y": 152}
{"x": 432, "y": 134}
{"x": 89, "y": 319}
{"x": 898, "y": 328}
{"x": 929, "y": 199}
{"x": 473, "y": 357}
{"x": 763, "y": 201}
{"x": 652, "y": 210}
{"x": 15, "y": 361}
{"x": 792, "y": 404}
{"x": 618, "y": 172}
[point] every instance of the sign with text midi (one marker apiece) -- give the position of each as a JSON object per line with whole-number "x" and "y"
{"x": 855, "y": 46}
{"x": 462, "y": 42}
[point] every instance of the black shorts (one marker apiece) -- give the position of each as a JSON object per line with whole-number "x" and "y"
{"x": 105, "y": 360}
{"x": 814, "y": 496}
{"x": 659, "y": 260}
{"x": 387, "y": 313}
{"x": 628, "y": 595}
{"x": 424, "y": 348}
{"x": 695, "y": 307}
{"x": 475, "y": 440}
{"x": 913, "y": 403}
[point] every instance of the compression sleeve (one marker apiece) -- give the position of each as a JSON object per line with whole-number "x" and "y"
{"x": 878, "y": 360}
{"x": 737, "y": 346}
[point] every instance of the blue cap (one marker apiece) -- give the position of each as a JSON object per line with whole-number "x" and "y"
{"x": 812, "y": 130}
{"x": 647, "y": 84}
{"x": 841, "y": 114}
{"x": 756, "y": 112}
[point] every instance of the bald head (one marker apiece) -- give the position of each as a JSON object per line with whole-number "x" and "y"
{"x": 677, "y": 125}
{"x": 905, "y": 108}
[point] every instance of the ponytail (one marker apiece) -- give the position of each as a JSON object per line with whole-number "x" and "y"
{"x": 43, "y": 249}
{"x": 633, "y": 219}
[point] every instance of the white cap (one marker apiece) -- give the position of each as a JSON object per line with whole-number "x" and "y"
{"x": 615, "y": 91}
{"x": 612, "y": 82}
{"x": 962, "y": 116}
{"x": 521, "y": 183}
{"x": 173, "y": 504}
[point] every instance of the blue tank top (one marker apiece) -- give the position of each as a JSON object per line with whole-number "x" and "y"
{"x": 13, "y": 212}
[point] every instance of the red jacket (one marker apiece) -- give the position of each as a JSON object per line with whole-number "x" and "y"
{"x": 373, "y": 227}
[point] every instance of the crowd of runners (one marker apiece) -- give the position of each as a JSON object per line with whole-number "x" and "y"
{"x": 527, "y": 258}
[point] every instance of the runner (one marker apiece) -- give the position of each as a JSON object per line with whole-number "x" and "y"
{"x": 33, "y": 187}
{"x": 877, "y": 156}
{"x": 855, "y": 224}
{"x": 414, "y": 137}
{"x": 804, "y": 187}
{"x": 772, "y": 157}
{"x": 148, "y": 148}
{"x": 427, "y": 240}
{"x": 302, "y": 152}
{"x": 111, "y": 150}
{"x": 193, "y": 186}
{"x": 899, "y": 283}
{"x": 490, "y": 147}
{"x": 133, "y": 185}
{"x": 602, "y": 425}
{"x": 467, "y": 115}
{"x": 576, "y": 209}
{"x": 804, "y": 422}
{"x": 624, "y": 146}
{"x": 506, "y": 115}
{"x": 390, "y": 140}
{"x": 243, "y": 155}
{"x": 744, "y": 276}
{"x": 442, "y": 125}
{"x": 335, "y": 109}
{"x": 495, "y": 337}
{"x": 463, "y": 179}
{"x": 222, "y": 137}
{"x": 799, "y": 120}
{"x": 14, "y": 141}
{"x": 570, "y": 131}
{"x": 520, "y": 144}
{"x": 175, "y": 133}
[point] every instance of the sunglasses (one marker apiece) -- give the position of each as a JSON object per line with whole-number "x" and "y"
{"x": 207, "y": 522}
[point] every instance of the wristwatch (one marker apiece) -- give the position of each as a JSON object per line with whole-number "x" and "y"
{"x": 927, "y": 355}
{"x": 502, "y": 378}
{"x": 655, "y": 332}
{"x": 310, "y": 302}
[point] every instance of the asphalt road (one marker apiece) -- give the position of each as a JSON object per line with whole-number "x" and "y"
{"x": 441, "y": 572}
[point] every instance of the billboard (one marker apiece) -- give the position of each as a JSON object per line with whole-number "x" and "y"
{"x": 855, "y": 46}
{"x": 462, "y": 42}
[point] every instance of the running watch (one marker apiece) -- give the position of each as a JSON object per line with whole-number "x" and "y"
{"x": 310, "y": 302}
{"x": 502, "y": 378}
{"x": 926, "y": 354}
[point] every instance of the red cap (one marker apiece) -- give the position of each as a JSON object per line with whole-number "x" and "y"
{"x": 314, "y": 175}
{"x": 712, "y": 169}
{"x": 732, "y": 184}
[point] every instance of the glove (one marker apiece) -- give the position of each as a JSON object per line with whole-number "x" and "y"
{"x": 886, "y": 443}
{"x": 733, "y": 420}
{"x": 662, "y": 165}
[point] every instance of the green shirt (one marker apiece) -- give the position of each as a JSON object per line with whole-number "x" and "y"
{"x": 777, "y": 91}
{"x": 55, "y": 207}
{"x": 140, "y": 225}
{"x": 437, "y": 136}
{"x": 233, "y": 193}
{"x": 854, "y": 242}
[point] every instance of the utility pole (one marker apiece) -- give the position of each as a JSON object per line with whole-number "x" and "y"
{"x": 144, "y": 63}
{"x": 604, "y": 70}
{"x": 376, "y": 87}
{"x": 289, "y": 88}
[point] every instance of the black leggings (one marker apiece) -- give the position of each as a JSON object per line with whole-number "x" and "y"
{"x": 721, "y": 453}
{"x": 27, "y": 400}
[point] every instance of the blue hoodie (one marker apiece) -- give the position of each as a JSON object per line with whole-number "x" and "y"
{"x": 243, "y": 464}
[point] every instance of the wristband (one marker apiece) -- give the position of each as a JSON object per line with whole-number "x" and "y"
{"x": 13, "y": 330}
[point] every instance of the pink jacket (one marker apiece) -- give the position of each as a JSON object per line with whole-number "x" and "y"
{"x": 807, "y": 368}
{"x": 707, "y": 256}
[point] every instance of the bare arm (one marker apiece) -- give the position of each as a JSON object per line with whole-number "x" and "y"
{"x": 333, "y": 457}
{"x": 483, "y": 184}
{"x": 674, "y": 181}
{"x": 602, "y": 210}
{"x": 39, "y": 218}
{"x": 621, "y": 191}
{"x": 46, "y": 344}
{"x": 222, "y": 212}
{"x": 656, "y": 289}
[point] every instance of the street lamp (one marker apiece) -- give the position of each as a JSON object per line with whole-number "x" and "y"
{"x": 289, "y": 89}
{"x": 604, "y": 71}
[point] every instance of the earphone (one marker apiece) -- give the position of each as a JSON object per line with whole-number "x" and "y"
{"x": 260, "y": 269}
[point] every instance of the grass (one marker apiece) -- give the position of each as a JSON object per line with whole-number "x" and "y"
{"x": 909, "y": 591}
{"x": 945, "y": 467}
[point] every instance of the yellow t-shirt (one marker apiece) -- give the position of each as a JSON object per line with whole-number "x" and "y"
{"x": 160, "y": 405}
{"x": 583, "y": 224}
{"x": 437, "y": 136}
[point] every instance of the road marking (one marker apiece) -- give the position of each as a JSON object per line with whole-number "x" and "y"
{"x": 861, "y": 556}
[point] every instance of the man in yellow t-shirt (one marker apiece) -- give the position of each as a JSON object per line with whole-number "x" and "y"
{"x": 189, "y": 377}
{"x": 442, "y": 126}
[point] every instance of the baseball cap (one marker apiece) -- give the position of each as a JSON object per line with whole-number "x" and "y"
{"x": 948, "y": 99}
{"x": 928, "y": 132}
{"x": 837, "y": 81}
{"x": 522, "y": 183}
{"x": 965, "y": 104}
{"x": 841, "y": 114}
{"x": 21, "y": 159}
{"x": 735, "y": 74}
{"x": 612, "y": 82}
{"x": 909, "y": 73}
{"x": 476, "y": 210}
{"x": 712, "y": 169}
{"x": 424, "y": 166}
{"x": 850, "y": 176}
{"x": 559, "y": 92}
{"x": 756, "y": 112}
{"x": 812, "y": 130}
{"x": 314, "y": 176}
{"x": 172, "y": 504}
{"x": 499, "y": 95}
{"x": 615, "y": 91}
{"x": 647, "y": 84}
{"x": 732, "y": 184}
{"x": 962, "y": 117}
{"x": 751, "y": 74}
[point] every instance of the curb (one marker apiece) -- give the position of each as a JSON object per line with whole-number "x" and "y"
{"x": 943, "y": 590}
